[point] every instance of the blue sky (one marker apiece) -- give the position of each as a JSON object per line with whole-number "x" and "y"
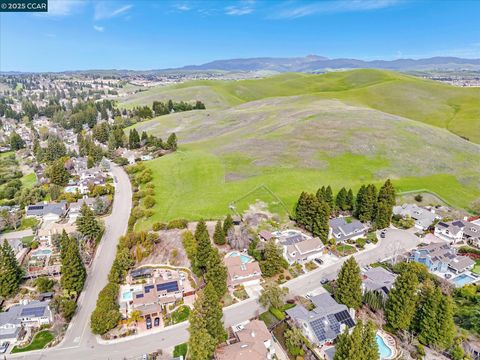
{"x": 151, "y": 34}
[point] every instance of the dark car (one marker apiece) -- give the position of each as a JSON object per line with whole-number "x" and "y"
{"x": 156, "y": 322}
{"x": 382, "y": 234}
{"x": 323, "y": 281}
{"x": 318, "y": 261}
{"x": 149, "y": 323}
{"x": 4, "y": 347}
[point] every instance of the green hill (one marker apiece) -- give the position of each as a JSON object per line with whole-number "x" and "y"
{"x": 453, "y": 108}
{"x": 273, "y": 148}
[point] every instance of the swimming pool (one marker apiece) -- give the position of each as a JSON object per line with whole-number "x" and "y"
{"x": 127, "y": 296}
{"x": 244, "y": 258}
{"x": 45, "y": 252}
{"x": 463, "y": 279}
{"x": 384, "y": 350}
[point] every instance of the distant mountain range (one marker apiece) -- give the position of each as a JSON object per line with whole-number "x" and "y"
{"x": 314, "y": 63}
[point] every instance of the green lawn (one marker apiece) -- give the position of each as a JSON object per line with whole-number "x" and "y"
{"x": 180, "y": 315}
{"x": 476, "y": 268}
{"x": 40, "y": 340}
{"x": 29, "y": 180}
{"x": 180, "y": 350}
{"x": 345, "y": 249}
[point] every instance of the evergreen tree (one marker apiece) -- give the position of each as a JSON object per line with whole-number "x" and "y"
{"x": 73, "y": 269}
{"x": 219, "y": 235}
{"x": 227, "y": 224}
{"x": 369, "y": 342}
{"x": 359, "y": 200}
{"x": 87, "y": 224}
{"x": 213, "y": 313}
{"x": 366, "y": 203}
{"x": 387, "y": 193}
{"x": 273, "y": 262}
{"x": 329, "y": 198}
{"x": 360, "y": 344}
{"x": 10, "y": 270}
{"x": 321, "y": 194}
{"x": 349, "y": 284}
{"x": 204, "y": 247}
{"x": 445, "y": 322}
{"x": 216, "y": 273}
{"x": 272, "y": 295}
{"x": 402, "y": 301}
{"x": 341, "y": 200}
{"x": 383, "y": 215}
{"x": 16, "y": 142}
{"x": 320, "y": 226}
{"x": 350, "y": 200}
{"x": 427, "y": 315}
{"x": 201, "y": 345}
{"x": 172, "y": 142}
{"x": 133, "y": 139}
{"x": 57, "y": 173}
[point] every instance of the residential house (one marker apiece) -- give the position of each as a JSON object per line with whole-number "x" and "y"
{"x": 16, "y": 245}
{"x": 441, "y": 257}
{"x": 423, "y": 218}
{"x": 265, "y": 235}
{"x": 74, "y": 209}
{"x": 378, "y": 279}
{"x": 325, "y": 322}
{"x": 241, "y": 272}
{"x": 342, "y": 229}
{"x": 252, "y": 341}
{"x": 50, "y": 229}
{"x": 17, "y": 317}
{"x": 299, "y": 247}
{"x": 47, "y": 211}
{"x": 458, "y": 230}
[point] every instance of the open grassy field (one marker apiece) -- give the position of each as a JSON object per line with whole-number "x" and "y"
{"x": 273, "y": 148}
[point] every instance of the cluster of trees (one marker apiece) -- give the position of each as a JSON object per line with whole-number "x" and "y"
{"x": 16, "y": 142}
{"x": 421, "y": 308}
{"x": 11, "y": 271}
{"x": 142, "y": 176}
{"x": 87, "y": 147}
{"x": 164, "y": 108}
{"x": 135, "y": 141}
{"x": 55, "y": 150}
{"x": 313, "y": 211}
{"x": 206, "y": 327}
{"x": 73, "y": 269}
{"x": 467, "y": 315}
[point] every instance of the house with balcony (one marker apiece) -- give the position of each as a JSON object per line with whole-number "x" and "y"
{"x": 458, "y": 230}
{"x": 299, "y": 247}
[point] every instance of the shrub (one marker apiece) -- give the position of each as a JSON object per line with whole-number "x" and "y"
{"x": 34, "y": 244}
{"x": 177, "y": 224}
{"x": 159, "y": 226}
{"x": 280, "y": 315}
{"x": 149, "y": 202}
{"x": 44, "y": 284}
{"x": 418, "y": 198}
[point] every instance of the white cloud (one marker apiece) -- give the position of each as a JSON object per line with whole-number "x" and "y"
{"x": 183, "y": 7}
{"x": 63, "y": 7}
{"x": 104, "y": 10}
{"x": 98, "y": 28}
{"x": 238, "y": 10}
{"x": 331, "y": 6}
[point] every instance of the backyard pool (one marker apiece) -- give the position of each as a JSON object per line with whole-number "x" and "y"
{"x": 244, "y": 258}
{"x": 463, "y": 279}
{"x": 44, "y": 252}
{"x": 384, "y": 350}
{"x": 127, "y": 296}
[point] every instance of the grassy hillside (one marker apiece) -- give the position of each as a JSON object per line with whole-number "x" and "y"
{"x": 453, "y": 108}
{"x": 274, "y": 148}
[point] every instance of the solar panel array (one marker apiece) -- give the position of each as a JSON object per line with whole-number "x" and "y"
{"x": 169, "y": 286}
{"x": 33, "y": 311}
{"x": 35, "y": 207}
{"x": 344, "y": 318}
{"x": 148, "y": 288}
{"x": 318, "y": 327}
{"x": 139, "y": 296}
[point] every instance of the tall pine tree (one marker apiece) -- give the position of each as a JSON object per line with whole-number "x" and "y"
{"x": 350, "y": 201}
{"x": 349, "y": 284}
{"x": 219, "y": 235}
{"x": 341, "y": 200}
{"x": 216, "y": 273}
{"x": 11, "y": 272}
{"x": 73, "y": 269}
{"x": 201, "y": 345}
{"x": 402, "y": 301}
{"x": 204, "y": 247}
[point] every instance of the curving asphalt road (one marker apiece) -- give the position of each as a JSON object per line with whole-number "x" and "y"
{"x": 395, "y": 243}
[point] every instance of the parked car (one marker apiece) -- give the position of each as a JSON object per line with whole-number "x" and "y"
{"x": 323, "y": 281}
{"x": 382, "y": 234}
{"x": 156, "y": 322}
{"x": 149, "y": 323}
{"x": 318, "y": 261}
{"x": 4, "y": 347}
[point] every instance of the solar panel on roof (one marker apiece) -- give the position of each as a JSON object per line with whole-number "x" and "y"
{"x": 35, "y": 207}
{"x": 33, "y": 311}
{"x": 318, "y": 327}
{"x": 139, "y": 296}
{"x": 148, "y": 288}
{"x": 169, "y": 287}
